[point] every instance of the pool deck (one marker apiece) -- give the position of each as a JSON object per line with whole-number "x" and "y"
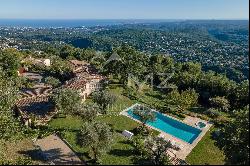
{"x": 187, "y": 147}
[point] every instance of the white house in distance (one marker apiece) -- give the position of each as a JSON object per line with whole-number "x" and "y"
{"x": 41, "y": 61}
{"x": 46, "y": 62}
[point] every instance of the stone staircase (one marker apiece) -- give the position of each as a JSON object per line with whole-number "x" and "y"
{"x": 174, "y": 160}
{"x": 177, "y": 161}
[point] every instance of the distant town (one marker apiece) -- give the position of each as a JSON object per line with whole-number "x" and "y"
{"x": 222, "y": 47}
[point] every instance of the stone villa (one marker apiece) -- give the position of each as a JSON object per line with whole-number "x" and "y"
{"x": 86, "y": 80}
{"x": 36, "y": 103}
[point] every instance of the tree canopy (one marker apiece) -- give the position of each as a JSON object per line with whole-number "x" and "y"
{"x": 97, "y": 136}
{"x": 88, "y": 112}
{"x": 103, "y": 99}
{"x": 9, "y": 125}
{"x": 67, "y": 101}
{"x": 235, "y": 138}
{"x": 54, "y": 82}
{"x": 182, "y": 101}
{"x": 10, "y": 61}
{"x": 220, "y": 103}
{"x": 156, "y": 149}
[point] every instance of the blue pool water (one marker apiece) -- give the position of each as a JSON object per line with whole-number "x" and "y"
{"x": 173, "y": 127}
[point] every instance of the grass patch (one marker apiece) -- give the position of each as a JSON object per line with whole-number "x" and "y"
{"x": 121, "y": 151}
{"x": 21, "y": 148}
{"x": 118, "y": 123}
{"x": 206, "y": 152}
{"x": 68, "y": 123}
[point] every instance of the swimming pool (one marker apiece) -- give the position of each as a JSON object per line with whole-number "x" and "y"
{"x": 171, "y": 126}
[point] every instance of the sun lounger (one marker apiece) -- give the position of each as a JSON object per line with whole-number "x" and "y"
{"x": 127, "y": 134}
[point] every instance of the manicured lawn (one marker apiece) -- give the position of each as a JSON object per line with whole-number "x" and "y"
{"x": 206, "y": 152}
{"x": 119, "y": 123}
{"x": 122, "y": 102}
{"x": 121, "y": 152}
{"x": 69, "y": 123}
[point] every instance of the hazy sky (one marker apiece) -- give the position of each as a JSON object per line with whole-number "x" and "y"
{"x": 125, "y": 9}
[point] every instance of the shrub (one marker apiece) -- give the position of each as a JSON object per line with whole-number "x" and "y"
{"x": 220, "y": 103}
{"x": 54, "y": 82}
{"x": 140, "y": 131}
{"x": 138, "y": 144}
{"x": 213, "y": 113}
{"x": 204, "y": 117}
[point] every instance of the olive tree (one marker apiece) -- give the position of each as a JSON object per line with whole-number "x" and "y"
{"x": 97, "y": 137}
{"x": 156, "y": 149}
{"x": 10, "y": 61}
{"x": 54, "y": 82}
{"x": 9, "y": 126}
{"x": 145, "y": 115}
{"x": 88, "y": 112}
{"x": 182, "y": 100}
{"x": 67, "y": 101}
{"x": 103, "y": 99}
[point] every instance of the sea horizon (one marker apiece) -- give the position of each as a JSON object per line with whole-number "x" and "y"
{"x": 71, "y": 23}
{"x": 74, "y": 22}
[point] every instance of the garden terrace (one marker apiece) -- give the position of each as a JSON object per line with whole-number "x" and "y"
{"x": 41, "y": 108}
{"x": 83, "y": 69}
{"x": 78, "y": 66}
{"x": 122, "y": 151}
{"x": 33, "y": 76}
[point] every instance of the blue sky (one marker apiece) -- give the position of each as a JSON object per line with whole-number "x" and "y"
{"x": 125, "y": 9}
